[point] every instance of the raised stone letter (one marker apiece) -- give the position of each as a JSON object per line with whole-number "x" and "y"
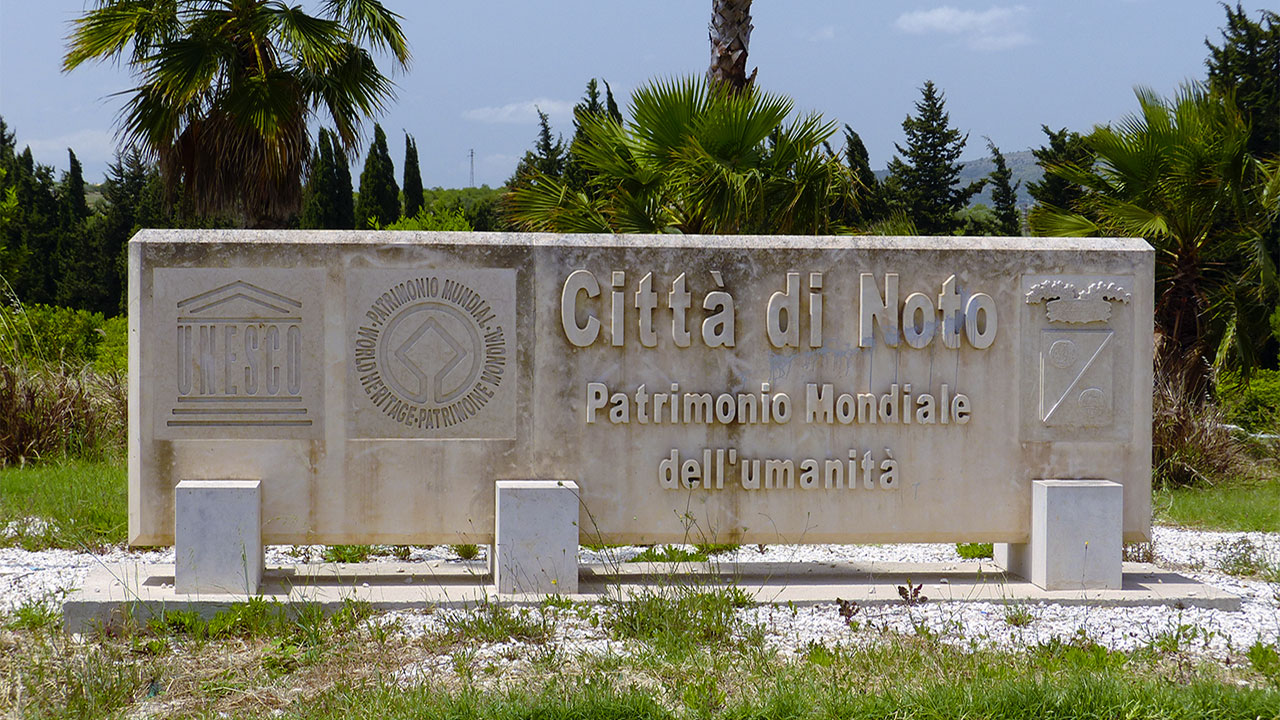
{"x": 617, "y": 328}
{"x": 646, "y": 303}
{"x": 579, "y": 281}
{"x": 872, "y": 309}
{"x": 679, "y": 301}
{"x": 718, "y": 328}
{"x": 815, "y": 309}
{"x": 919, "y": 334}
{"x": 949, "y": 304}
{"x": 788, "y": 302}
{"x": 980, "y": 303}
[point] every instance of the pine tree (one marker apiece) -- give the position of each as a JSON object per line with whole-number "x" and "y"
{"x": 925, "y": 183}
{"x": 547, "y": 157}
{"x": 1064, "y": 148}
{"x": 318, "y": 210}
{"x": 1003, "y": 195}
{"x": 1248, "y": 65}
{"x": 344, "y": 214}
{"x": 870, "y": 203}
{"x": 412, "y": 178}
{"x": 379, "y": 201}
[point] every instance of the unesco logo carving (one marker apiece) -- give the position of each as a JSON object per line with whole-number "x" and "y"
{"x": 431, "y": 353}
{"x": 1077, "y": 366}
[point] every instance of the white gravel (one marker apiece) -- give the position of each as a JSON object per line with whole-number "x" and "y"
{"x": 46, "y": 576}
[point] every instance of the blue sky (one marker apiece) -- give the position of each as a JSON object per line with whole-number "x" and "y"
{"x": 480, "y": 67}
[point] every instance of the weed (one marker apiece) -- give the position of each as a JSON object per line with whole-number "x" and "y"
{"x": 466, "y": 551}
{"x": 1265, "y": 660}
{"x": 679, "y": 619}
{"x": 974, "y": 551}
{"x": 401, "y": 552}
{"x": 669, "y": 554}
{"x": 1139, "y": 552}
{"x": 911, "y": 594}
{"x": 848, "y": 608}
{"x": 347, "y": 553}
{"x": 491, "y": 622}
{"x": 34, "y": 615}
{"x": 1241, "y": 557}
{"x": 711, "y": 549}
{"x": 1018, "y": 615}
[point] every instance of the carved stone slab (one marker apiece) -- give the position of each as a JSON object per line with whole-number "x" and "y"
{"x": 728, "y": 388}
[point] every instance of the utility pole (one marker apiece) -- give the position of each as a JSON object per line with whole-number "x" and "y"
{"x": 473, "y": 168}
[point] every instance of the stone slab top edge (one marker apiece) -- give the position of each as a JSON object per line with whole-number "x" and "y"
{"x": 675, "y": 241}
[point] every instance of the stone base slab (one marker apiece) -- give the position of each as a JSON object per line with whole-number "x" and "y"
{"x": 111, "y": 591}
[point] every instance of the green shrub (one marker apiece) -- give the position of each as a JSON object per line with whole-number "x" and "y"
{"x": 113, "y": 351}
{"x": 427, "y": 220}
{"x": 46, "y": 333}
{"x": 1254, "y": 405}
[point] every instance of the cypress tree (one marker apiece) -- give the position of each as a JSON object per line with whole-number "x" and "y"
{"x": 610, "y": 106}
{"x": 379, "y": 201}
{"x": 81, "y": 268}
{"x": 1064, "y": 148}
{"x": 575, "y": 174}
{"x": 318, "y": 211}
{"x": 344, "y": 216}
{"x": 1003, "y": 195}
{"x": 412, "y": 178}
{"x": 36, "y": 230}
{"x": 74, "y": 206}
{"x": 925, "y": 183}
{"x": 870, "y": 203}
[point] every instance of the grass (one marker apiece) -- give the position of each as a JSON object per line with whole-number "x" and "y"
{"x": 1250, "y": 506}
{"x": 685, "y": 655}
{"x": 675, "y": 553}
{"x": 974, "y": 551}
{"x": 71, "y": 504}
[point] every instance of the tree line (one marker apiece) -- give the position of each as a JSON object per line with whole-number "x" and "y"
{"x": 1196, "y": 174}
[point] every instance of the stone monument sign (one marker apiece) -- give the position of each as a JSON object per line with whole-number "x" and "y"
{"x": 377, "y": 385}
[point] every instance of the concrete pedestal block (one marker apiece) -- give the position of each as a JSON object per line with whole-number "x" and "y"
{"x": 218, "y": 536}
{"x": 1076, "y": 536}
{"x": 535, "y": 546}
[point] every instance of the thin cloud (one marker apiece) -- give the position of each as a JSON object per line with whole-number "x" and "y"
{"x": 521, "y": 113}
{"x": 997, "y": 28}
{"x": 89, "y": 145}
{"x": 825, "y": 33}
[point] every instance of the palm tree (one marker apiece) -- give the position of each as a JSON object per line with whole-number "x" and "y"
{"x": 1178, "y": 173}
{"x": 226, "y": 89}
{"x": 730, "y": 35}
{"x": 694, "y": 158}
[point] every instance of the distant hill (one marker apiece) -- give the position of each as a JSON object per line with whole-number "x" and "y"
{"x": 1021, "y": 163}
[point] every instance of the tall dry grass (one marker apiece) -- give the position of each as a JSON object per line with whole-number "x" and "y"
{"x": 1191, "y": 442}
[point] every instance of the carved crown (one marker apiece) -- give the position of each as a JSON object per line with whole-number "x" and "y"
{"x": 1064, "y": 302}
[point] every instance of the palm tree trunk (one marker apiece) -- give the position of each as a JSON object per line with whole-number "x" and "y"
{"x": 730, "y": 34}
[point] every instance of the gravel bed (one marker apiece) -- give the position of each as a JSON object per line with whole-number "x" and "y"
{"x": 47, "y": 576}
